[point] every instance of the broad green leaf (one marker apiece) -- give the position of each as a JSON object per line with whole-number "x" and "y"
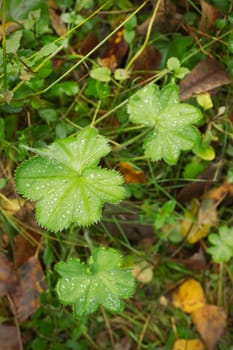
{"x": 171, "y": 121}
{"x": 101, "y": 74}
{"x": 222, "y": 244}
{"x": 99, "y": 282}
{"x": 67, "y": 183}
{"x": 13, "y": 42}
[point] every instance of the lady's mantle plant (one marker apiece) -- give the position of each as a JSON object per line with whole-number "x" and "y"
{"x": 67, "y": 182}
{"x": 100, "y": 281}
{"x": 171, "y": 121}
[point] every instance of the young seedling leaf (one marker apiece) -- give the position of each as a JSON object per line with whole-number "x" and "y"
{"x": 171, "y": 121}
{"x": 67, "y": 183}
{"x": 99, "y": 282}
{"x": 222, "y": 245}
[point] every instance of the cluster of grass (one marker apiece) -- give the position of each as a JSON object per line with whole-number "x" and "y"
{"x": 51, "y": 88}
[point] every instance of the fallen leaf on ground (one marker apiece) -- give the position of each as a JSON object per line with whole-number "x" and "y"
{"x": 206, "y": 179}
{"x": 207, "y": 214}
{"x": 26, "y": 296}
{"x": 146, "y": 63}
{"x": 189, "y": 296}
{"x": 25, "y": 247}
{"x": 115, "y": 53}
{"x": 207, "y": 75}
{"x": 8, "y": 277}
{"x": 166, "y": 20}
{"x": 209, "y": 14}
{"x": 218, "y": 194}
{"x": 9, "y": 338}
{"x": 143, "y": 272}
{"x": 188, "y": 344}
{"x": 56, "y": 23}
{"x": 210, "y": 321}
{"x": 196, "y": 225}
{"x": 131, "y": 174}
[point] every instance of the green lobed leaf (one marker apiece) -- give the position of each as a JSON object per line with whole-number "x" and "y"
{"x": 67, "y": 183}
{"x": 171, "y": 121}
{"x": 99, "y": 282}
{"x": 222, "y": 244}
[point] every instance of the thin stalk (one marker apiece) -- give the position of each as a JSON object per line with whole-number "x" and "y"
{"x": 142, "y": 48}
{"x": 5, "y": 85}
{"x": 220, "y": 284}
{"x": 92, "y": 51}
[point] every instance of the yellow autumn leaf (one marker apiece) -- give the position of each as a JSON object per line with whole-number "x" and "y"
{"x": 191, "y": 227}
{"x": 191, "y": 344}
{"x": 205, "y": 101}
{"x": 189, "y": 296}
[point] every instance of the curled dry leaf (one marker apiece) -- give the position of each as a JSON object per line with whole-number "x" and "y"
{"x": 189, "y": 296}
{"x": 188, "y": 344}
{"x": 210, "y": 321}
{"x": 205, "y": 76}
{"x": 131, "y": 174}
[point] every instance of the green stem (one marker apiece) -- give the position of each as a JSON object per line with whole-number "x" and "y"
{"x": 220, "y": 284}
{"x": 5, "y": 84}
{"x": 91, "y": 51}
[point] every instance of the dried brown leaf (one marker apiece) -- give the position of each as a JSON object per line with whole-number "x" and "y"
{"x": 26, "y": 296}
{"x": 166, "y": 20}
{"x": 209, "y": 14}
{"x": 210, "y": 321}
{"x": 205, "y": 180}
{"x": 116, "y": 51}
{"x": 9, "y": 338}
{"x": 8, "y": 277}
{"x": 205, "y": 76}
{"x": 146, "y": 63}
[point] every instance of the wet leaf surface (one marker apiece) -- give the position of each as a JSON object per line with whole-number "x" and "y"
{"x": 100, "y": 282}
{"x": 67, "y": 183}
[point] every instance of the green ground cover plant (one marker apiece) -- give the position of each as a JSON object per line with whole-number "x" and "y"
{"x": 116, "y": 174}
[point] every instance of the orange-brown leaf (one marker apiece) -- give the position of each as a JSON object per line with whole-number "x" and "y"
{"x": 210, "y": 321}
{"x": 131, "y": 174}
{"x": 116, "y": 51}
